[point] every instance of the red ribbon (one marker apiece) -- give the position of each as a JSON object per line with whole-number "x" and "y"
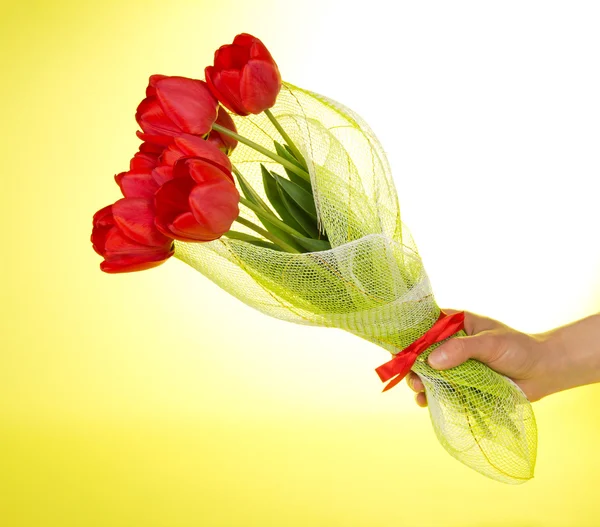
{"x": 397, "y": 368}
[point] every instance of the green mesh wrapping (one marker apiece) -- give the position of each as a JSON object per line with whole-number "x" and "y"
{"x": 371, "y": 283}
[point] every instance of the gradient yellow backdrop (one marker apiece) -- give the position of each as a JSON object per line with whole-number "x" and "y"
{"x": 155, "y": 399}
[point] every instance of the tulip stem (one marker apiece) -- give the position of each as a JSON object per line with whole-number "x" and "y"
{"x": 267, "y": 235}
{"x": 297, "y": 154}
{"x": 267, "y": 214}
{"x": 290, "y": 166}
{"x": 237, "y": 235}
{"x": 270, "y": 217}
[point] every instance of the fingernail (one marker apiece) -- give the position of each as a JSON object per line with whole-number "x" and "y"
{"x": 437, "y": 358}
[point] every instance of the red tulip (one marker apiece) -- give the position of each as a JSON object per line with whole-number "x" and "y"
{"x": 188, "y": 146}
{"x": 138, "y": 182}
{"x": 125, "y": 236}
{"x": 173, "y": 106}
{"x": 244, "y": 78}
{"x": 146, "y": 157}
{"x": 150, "y": 148}
{"x": 223, "y": 142}
{"x": 199, "y": 204}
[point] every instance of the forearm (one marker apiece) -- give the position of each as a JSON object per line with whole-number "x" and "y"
{"x": 572, "y": 354}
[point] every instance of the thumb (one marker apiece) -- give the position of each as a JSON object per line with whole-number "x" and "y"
{"x": 455, "y": 351}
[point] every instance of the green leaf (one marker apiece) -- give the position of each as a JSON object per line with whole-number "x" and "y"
{"x": 286, "y": 154}
{"x": 236, "y": 235}
{"x": 267, "y": 245}
{"x": 309, "y": 225}
{"x": 250, "y": 196}
{"x": 248, "y": 192}
{"x": 273, "y": 193}
{"x": 313, "y": 245}
{"x": 473, "y": 410}
{"x": 281, "y": 234}
{"x": 298, "y": 194}
{"x": 301, "y": 160}
{"x": 299, "y": 181}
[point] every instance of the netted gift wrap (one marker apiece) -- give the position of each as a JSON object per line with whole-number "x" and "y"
{"x": 371, "y": 283}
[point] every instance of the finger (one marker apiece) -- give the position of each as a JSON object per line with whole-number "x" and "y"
{"x": 414, "y": 382}
{"x": 421, "y": 399}
{"x": 474, "y": 323}
{"x": 483, "y": 347}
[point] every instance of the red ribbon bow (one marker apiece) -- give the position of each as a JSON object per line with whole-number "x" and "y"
{"x": 397, "y": 368}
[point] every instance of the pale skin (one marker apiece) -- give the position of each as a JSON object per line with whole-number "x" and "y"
{"x": 540, "y": 364}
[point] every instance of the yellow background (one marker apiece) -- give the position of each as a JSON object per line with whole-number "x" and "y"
{"x": 155, "y": 399}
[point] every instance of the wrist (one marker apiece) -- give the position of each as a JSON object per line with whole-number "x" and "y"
{"x": 546, "y": 373}
{"x": 570, "y": 355}
{"x": 556, "y": 367}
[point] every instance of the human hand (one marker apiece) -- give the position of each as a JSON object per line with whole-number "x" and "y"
{"x": 519, "y": 356}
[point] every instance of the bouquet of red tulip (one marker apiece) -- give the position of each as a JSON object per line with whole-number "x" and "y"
{"x": 308, "y": 231}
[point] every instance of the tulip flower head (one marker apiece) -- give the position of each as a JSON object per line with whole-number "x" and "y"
{"x": 188, "y": 146}
{"x": 199, "y": 204}
{"x": 174, "y": 106}
{"x": 138, "y": 182}
{"x": 125, "y": 236}
{"x": 244, "y": 78}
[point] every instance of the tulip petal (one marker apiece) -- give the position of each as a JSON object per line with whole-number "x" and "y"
{"x": 135, "y": 218}
{"x": 202, "y": 171}
{"x": 127, "y": 262}
{"x": 155, "y": 142}
{"x": 187, "y": 145}
{"x": 144, "y": 161}
{"x": 244, "y": 40}
{"x": 150, "y": 90}
{"x": 103, "y": 217}
{"x": 162, "y": 174}
{"x": 117, "y": 243}
{"x": 259, "y": 86}
{"x": 225, "y": 86}
{"x": 215, "y": 205}
{"x": 98, "y": 239}
{"x": 103, "y": 222}
{"x": 187, "y": 229}
{"x": 173, "y": 195}
{"x": 153, "y": 120}
{"x": 150, "y": 148}
{"x": 172, "y": 153}
{"x": 136, "y": 184}
{"x": 224, "y": 119}
{"x": 188, "y": 103}
{"x": 231, "y": 56}
{"x": 170, "y": 201}
{"x": 191, "y": 145}
{"x": 223, "y": 142}
{"x": 259, "y": 51}
{"x": 220, "y": 142}
{"x": 129, "y": 265}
